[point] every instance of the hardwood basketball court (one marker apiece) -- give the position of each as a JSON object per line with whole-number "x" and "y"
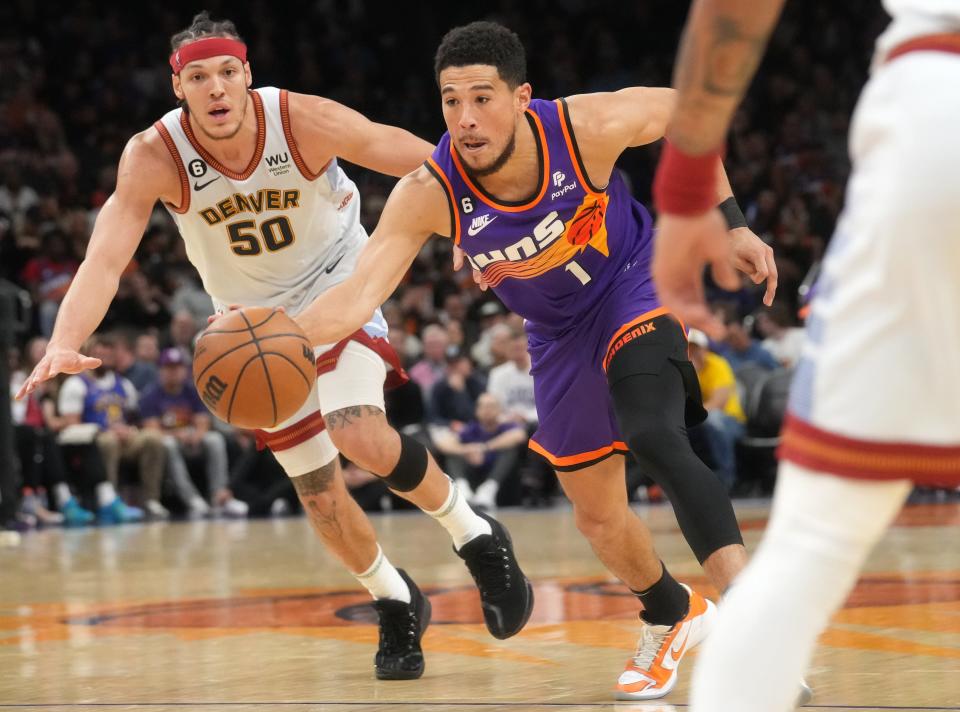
{"x": 235, "y": 615}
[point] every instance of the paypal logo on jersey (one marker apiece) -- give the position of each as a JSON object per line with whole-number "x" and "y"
{"x": 558, "y": 178}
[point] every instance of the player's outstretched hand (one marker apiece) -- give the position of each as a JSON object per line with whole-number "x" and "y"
{"x": 684, "y": 246}
{"x": 233, "y": 307}
{"x": 458, "y": 263}
{"x": 754, "y": 258}
{"x": 53, "y": 363}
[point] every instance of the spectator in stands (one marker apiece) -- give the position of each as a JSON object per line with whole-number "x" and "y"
{"x": 16, "y": 198}
{"x": 484, "y": 453}
{"x": 107, "y": 403}
{"x": 188, "y": 295}
{"x": 147, "y": 350}
{"x": 183, "y": 329}
{"x": 782, "y": 338}
{"x": 725, "y": 417}
{"x": 433, "y": 366}
{"x": 491, "y": 348}
{"x": 740, "y": 349}
{"x": 141, "y": 374}
{"x": 512, "y": 385}
{"x": 173, "y": 408}
{"x": 48, "y": 275}
{"x": 42, "y": 467}
{"x": 453, "y": 399}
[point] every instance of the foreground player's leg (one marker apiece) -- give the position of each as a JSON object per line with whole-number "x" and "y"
{"x": 676, "y": 618}
{"x": 821, "y": 530}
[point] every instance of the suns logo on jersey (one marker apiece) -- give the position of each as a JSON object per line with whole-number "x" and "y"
{"x": 541, "y": 252}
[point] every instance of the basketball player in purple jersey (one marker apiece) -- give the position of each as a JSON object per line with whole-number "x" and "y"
{"x": 527, "y": 189}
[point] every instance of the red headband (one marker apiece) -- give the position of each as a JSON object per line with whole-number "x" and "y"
{"x": 206, "y": 48}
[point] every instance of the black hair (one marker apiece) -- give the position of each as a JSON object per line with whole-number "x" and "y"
{"x": 483, "y": 43}
{"x": 203, "y": 26}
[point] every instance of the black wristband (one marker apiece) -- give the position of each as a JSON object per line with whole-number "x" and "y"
{"x": 732, "y": 213}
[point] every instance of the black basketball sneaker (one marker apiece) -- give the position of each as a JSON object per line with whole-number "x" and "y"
{"x": 399, "y": 656}
{"x": 505, "y": 593}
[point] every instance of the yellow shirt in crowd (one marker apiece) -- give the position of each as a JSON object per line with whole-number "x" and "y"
{"x": 716, "y": 373}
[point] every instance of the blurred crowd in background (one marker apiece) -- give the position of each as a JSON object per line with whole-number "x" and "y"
{"x": 77, "y": 83}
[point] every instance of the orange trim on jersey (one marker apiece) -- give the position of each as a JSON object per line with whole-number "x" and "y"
{"x": 292, "y": 143}
{"x": 583, "y": 458}
{"x": 448, "y": 189}
{"x": 184, "y": 180}
{"x": 292, "y": 435}
{"x": 214, "y": 163}
{"x": 574, "y": 156}
{"x": 943, "y": 42}
{"x": 544, "y": 178}
{"x": 646, "y": 316}
{"x": 811, "y": 447}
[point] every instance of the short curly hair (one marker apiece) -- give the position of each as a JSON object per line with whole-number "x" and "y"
{"x": 202, "y": 26}
{"x": 483, "y": 43}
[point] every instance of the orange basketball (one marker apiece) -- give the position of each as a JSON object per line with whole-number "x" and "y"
{"x": 254, "y": 367}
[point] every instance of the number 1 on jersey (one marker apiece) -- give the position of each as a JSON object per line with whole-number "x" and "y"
{"x": 574, "y": 268}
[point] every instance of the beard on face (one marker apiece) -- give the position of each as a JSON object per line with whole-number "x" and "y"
{"x": 498, "y": 162}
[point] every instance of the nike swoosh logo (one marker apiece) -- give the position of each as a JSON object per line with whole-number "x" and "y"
{"x": 198, "y": 186}
{"x": 332, "y": 267}
{"x": 676, "y": 649}
{"x": 471, "y": 231}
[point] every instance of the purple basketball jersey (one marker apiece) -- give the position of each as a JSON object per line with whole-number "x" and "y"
{"x": 552, "y": 258}
{"x": 574, "y": 261}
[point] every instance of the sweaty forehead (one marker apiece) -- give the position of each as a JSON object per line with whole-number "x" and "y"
{"x": 470, "y": 76}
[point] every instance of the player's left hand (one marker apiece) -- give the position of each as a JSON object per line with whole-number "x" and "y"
{"x": 684, "y": 246}
{"x": 458, "y": 263}
{"x": 754, "y": 258}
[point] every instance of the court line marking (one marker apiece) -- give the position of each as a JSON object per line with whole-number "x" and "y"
{"x": 432, "y": 704}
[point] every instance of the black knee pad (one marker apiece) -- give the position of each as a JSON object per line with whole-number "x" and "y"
{"x": 411, "y": 468}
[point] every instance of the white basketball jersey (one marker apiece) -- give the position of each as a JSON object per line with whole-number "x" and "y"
{"x": 913, "y": 18}
{"x": 275, "y": 234}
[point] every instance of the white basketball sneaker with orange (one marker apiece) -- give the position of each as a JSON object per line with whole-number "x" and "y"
{"x": 652, "y": 672}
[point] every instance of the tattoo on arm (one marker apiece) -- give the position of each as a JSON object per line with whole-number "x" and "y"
{"x": 347, "y": 416}
{"x": 732, "y": 57}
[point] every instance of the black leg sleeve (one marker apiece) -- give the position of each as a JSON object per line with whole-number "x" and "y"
{"x": 651, "y": 401}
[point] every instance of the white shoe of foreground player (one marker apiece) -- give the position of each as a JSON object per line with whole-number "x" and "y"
{"x": 652, "y": 672}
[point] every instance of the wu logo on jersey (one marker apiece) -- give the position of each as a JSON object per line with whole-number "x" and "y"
{"x": 480, "y": 222}
{"x": 558, "y": 178}
{"x": 278, "y": 164}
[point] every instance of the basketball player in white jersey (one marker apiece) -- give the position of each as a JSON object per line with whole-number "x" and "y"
{"x": 875, "y": 405}
{"x": 269, "y": 219}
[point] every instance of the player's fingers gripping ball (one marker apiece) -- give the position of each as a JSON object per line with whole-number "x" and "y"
{"x": 254, "y": 367}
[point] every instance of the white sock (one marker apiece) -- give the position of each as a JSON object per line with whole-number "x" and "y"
{"x": 105, "y": 493}
{"x": 458, "y": 519}
{"x": 61, "y": 493}
{"x": 821, "y": 530}
{"x": 382, "y": 580}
